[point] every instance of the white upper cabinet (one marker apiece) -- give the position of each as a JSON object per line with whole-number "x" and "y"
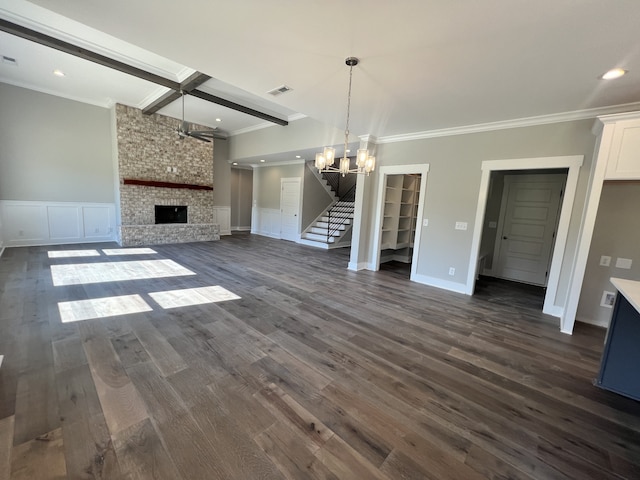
{"x": 624, "y": 154}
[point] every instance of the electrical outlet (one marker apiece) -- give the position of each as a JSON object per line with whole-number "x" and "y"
{"x": 461, "y": 225}
{"x": 623, "y": 263}
{"x": 605, "y": 261}
{"x": 425, "y": 222}
{"x": 493, "y": 224}
{"x": 452, "y": 271}
{"x": 168, "y": 169}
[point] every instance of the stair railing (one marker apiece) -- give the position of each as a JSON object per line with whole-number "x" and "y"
{"x": 337, "y": 209}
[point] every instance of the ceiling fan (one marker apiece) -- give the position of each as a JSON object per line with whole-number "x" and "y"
{"x": 184, "y": 129}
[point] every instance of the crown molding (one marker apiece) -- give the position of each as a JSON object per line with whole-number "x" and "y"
{"x": 516, "y": 123}
{"x": 278, "y": 163}
{"x": 153, "y": 96}
{"x": 108, "y": 102}
{"x": 29, "y": 16}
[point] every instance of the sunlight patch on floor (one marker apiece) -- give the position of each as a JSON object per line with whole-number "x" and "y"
{"x": 128, "y": 251}
{"x": 192, "y": 296}
{"x": 101, "y": 308}
{"x": 72, "y": 253}
{"x": 84, "y": 273}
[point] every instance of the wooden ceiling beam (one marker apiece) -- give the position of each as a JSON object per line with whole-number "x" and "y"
{"x": 192, "y": 81}
{"x": 85, "y": 54}
{"x": 190, "y": 84}
{"x": 236, "y": 106}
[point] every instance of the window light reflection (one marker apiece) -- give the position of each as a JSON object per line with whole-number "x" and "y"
{"x": 101, "y": 308}
{"x": 192, "y": 296}
{"x": 72, "y": 253}
{"x": 128, "y": 251}
{"x": 84, "y": 273}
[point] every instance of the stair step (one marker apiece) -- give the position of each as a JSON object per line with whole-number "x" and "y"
{"x": 334, "y": 226}
{"x": 323, "y": 231}
{"x": 318, "y": 238}
{"x": 336, "y": 219}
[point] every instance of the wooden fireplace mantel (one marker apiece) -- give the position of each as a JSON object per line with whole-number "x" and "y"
{"x": 154, "y": 183}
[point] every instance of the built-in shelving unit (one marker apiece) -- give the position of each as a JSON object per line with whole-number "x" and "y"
{"x": 399, "y": 218}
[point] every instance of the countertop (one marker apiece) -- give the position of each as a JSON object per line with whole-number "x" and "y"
{"x": 630, "y": 289}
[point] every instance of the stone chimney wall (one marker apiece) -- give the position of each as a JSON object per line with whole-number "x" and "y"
{"x": 150, "y": 149}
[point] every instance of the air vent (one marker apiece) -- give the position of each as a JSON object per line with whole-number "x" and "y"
{"x": 9, "y": 60}
{"x": 279, "y": 90}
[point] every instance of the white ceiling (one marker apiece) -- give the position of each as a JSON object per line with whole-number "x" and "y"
{"x": 424, "y": 64}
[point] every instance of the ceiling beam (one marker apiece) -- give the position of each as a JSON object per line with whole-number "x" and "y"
{"x": 235, "y": 106}
{"x": 85, "y": 54}
{"x": 191, "y": 82}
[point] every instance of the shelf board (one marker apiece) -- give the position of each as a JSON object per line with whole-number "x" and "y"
{"x": 154, "y": 183}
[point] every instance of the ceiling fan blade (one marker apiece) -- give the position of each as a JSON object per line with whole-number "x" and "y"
{"x": 209, "y": 134}
{"x": 197, "y": 137}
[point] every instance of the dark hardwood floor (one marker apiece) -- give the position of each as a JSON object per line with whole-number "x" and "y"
{"x": 314, "y": 372}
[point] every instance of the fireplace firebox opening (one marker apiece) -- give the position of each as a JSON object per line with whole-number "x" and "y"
{"x": 171, "y": 214}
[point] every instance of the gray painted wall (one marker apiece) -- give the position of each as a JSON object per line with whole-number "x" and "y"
{"x": 54, "y": 149}
{"x": 315, "y": 198}
{"x": 221, "y": 174}
{"x": 616, "y": 234}
{"x": 454, "y": 183}
{"x": 266, "y": 183}
{"x": 241, "y": 197}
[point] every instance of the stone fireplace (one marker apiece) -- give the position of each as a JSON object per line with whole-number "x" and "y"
{"x": 157, "y": 168}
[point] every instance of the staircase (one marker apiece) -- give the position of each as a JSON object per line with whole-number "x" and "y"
{"x": 332, "y": 229}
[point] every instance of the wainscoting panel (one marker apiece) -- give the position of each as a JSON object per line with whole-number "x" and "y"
{"x": 96, "y": 220}
{"x": 266, "y": 221}
{"x": 64, "y": 223}
{"x": 222, "y": 216}
{"x": 46, "y": 223}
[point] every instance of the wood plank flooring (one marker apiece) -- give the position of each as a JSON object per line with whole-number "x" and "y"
{"x": 315, "y": 372}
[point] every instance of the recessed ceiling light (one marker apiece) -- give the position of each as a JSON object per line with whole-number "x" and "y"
{"x": 262, "y": 160}
{"x": 298, "y": 156}
{"x": 58, "y": 73}
{"x": 218, "y": 119}
{"x": 613, "y": 73}
{"x": 234, "y": 163}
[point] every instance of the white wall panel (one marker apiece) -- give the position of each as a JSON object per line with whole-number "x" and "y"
{"x": 46, "y": 223}
{"x": 64, "y": 222}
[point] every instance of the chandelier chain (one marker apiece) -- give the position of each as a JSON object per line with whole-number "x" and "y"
{"x": 346, "y": 130}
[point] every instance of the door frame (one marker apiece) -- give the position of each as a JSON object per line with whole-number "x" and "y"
{"x": 423, "y": 170}
{"x": 504, "y": 204}
{"x": 573, "y": 163}
{"x": 297, "y": 180}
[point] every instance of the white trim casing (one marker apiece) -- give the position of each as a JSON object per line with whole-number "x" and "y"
{"x": 423, "y": 170}
{"x": 573, "y": 163}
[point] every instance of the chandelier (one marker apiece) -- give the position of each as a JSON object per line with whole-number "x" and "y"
{"x": 365, "y": 163}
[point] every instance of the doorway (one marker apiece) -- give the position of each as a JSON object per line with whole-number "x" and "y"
{"x": 570, "y": 164}
{"x": 290, "y": 209}
{"x": 521, "y": 221}
{"x": 399, "y": 212}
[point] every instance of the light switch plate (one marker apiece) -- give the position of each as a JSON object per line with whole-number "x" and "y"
{"x": 461, "y": 225}
{"x": 623, "y": 263}
{"x": 605, "y": 261}
{"x": 493, "y": 224}
{"x": 425, "y": 222}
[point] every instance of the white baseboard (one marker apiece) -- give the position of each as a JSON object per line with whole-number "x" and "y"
{"x": 356, "y": 266}
{"x": 439, "y": 283}
{"x": 240, "y": 229}
{"x": 265, "y": 234}
{"x": 554, "y": 311}
{"x": 312, "y": 243}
